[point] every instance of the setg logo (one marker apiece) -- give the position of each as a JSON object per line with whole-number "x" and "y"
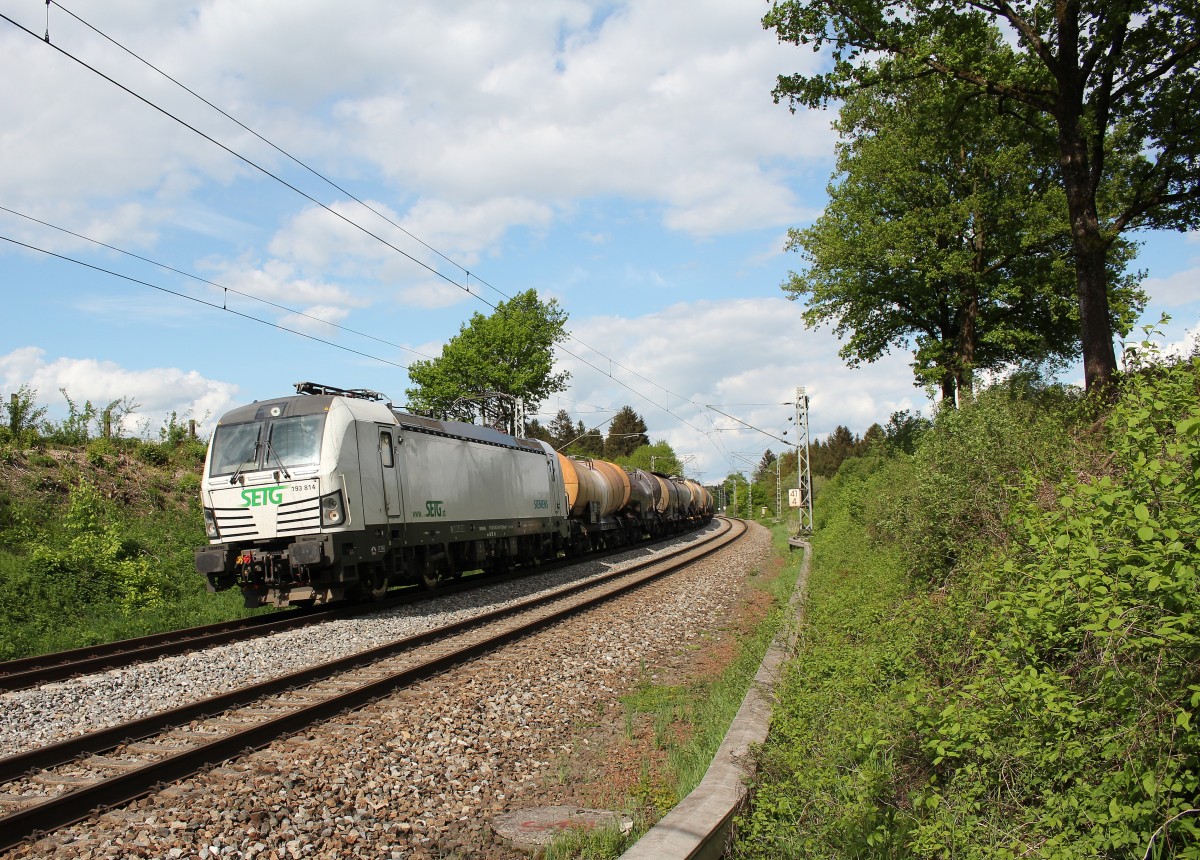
{"x": 259, "y": 496}
{"x": 434, "y": 509}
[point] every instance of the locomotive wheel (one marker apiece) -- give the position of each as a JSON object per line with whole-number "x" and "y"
{"x": 431, "y": 578}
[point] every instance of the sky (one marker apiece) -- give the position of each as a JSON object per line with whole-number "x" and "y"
{"x": 621, "y": 158}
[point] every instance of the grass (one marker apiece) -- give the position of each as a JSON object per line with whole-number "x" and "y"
{"x": 830, "y": 747}
{"x": 690, "y": 719}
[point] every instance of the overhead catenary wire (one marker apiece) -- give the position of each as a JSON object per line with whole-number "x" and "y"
{"x": 749, "y": 426}
{"x": 231, "y": 151}
{"x": 248, "y": 161}
{"x": 349, "y": 194}
{"x": 265, "y": 140}
{"x": 210, "y": 283}
{"x": 201, "y": 301}
{"x": 469, "y": 275}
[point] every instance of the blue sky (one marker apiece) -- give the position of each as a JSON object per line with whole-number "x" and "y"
{"x": 620, "y": 158}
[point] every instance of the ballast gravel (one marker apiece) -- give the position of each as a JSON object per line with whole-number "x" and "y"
{"x": 418, "y": 774}
{"x": 40, "y": 716}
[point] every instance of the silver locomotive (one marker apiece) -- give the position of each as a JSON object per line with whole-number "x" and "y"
{"x": 333, "y": 493}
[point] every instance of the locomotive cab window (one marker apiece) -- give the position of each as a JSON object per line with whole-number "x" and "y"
{"x": 296, "y": 441}
{"x": 235, "y": 446}
{"x": 385, "y": 449}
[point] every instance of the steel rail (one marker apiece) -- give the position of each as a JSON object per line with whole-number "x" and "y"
{"x": 75, "y": 805}
{"x": 31, "y": 671}
{"x": 28, "y": 672}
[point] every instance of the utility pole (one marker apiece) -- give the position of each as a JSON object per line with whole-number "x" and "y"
{"x": 803, "y": 473}
{"x": 778, "y": 492}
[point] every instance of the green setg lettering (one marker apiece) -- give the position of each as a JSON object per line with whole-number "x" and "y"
{"x": 258, "y": 496}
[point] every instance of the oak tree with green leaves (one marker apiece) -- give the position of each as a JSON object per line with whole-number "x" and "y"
{"x": 945, "y": 230}
{"x": 1115, "y": 84}
{"x": 493, "y": 364}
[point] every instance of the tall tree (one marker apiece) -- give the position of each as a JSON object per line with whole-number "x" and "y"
{"x": 494, "y": 364}
{"x": 944, "y": 230}
{"x": 562, "y": 430}
{"x": 765, "y": 471}
{"x": 588, "y": 442}
{"x": 826, "y": 457}
{"x": 1116, "y": 82}
{"x": 535, "y": 430}
{"x": 626, "y": 434}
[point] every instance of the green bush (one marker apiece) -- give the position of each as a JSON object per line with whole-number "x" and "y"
{"x": 966, "y": 469}
{"x": 1036, "y": 693}
{"x": 188, "y": 484}
{"x": 101, "y": 452}
{"x": 153, "y": 454}
{"x": 43, "y": 460}
{"x": 1079, "y": 728}
{"x": 189, "y": 454}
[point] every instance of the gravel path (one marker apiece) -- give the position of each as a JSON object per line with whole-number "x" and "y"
{"x": 422, "y": 772}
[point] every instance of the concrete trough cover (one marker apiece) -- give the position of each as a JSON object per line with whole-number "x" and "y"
{"x": 534, "y": 828}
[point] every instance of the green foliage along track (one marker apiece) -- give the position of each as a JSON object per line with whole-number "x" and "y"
{"x": 96, "y": 543}
{"x": 1029, "y": 689}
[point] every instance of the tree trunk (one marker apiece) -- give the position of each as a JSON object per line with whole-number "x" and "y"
{"x": 948, "y": 388}
{"x": 967, "y": 343}
{"x": 1099, "y": 357}
{"x": 1088, "y": 244}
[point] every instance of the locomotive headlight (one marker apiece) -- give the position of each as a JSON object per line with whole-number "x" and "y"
{"x": 333, "y": 510}
{"x": 210, "y": 524}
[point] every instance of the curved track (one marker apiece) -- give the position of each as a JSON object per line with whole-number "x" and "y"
{"x": 113, "y": 766}
{"x": 31, "y": 671}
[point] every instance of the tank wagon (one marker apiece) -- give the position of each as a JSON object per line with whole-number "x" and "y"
{"x": 332, "y": 493}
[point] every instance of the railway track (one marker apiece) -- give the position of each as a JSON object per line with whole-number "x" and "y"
{"x": 32, "y": 671}
{"x": 47, "y": 788}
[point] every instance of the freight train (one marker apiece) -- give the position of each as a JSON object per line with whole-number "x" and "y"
{"x": 333, "y": 493}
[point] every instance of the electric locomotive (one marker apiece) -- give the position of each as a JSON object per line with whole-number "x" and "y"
{"x": 332, "y": 493}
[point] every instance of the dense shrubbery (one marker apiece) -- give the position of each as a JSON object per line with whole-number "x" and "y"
{"x": 1003, "y": 654}
{"x": 96, "y": 532}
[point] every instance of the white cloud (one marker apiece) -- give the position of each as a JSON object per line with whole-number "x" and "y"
{"x": 1186, "y": 346}
{"x": 469, "y": 123}
{"x": 320, "y": 240}
{"x": 463, "y": 103}
{"x": 1176, "y": 290}
{"x": 278, "y": 281}
{"x": 431, "y": 294}
{"x": 749, "y": 351}
{"x": 317, "y": 319}
{"x": 158, "y": 391}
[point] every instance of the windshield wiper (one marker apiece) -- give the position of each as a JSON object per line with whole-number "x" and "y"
{"x": 251, "y": 459}
{"x": 271, "y": 453}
